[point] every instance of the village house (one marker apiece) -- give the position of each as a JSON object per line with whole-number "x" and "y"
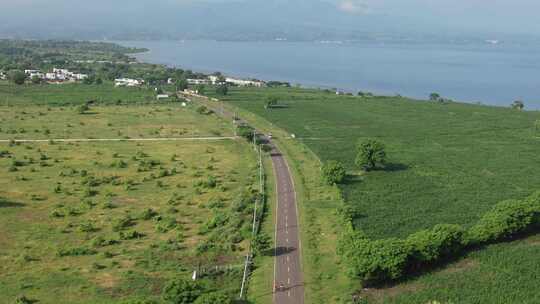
{"x": 57, "y": 75}
{"x": 3, "y": 76}
{"x": 198, "y": 81}
{"x": 128, "y": 82}
{"x": 244, "y": 83}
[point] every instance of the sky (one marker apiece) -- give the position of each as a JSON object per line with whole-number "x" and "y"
{"x": 489, "y": 17}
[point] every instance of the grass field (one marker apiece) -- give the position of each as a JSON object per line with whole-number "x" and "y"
{"x": 71, "y": 94}
{"x": 133, "y": 121}
{"x": 448, "y": 163}
{"x": 113, "y": 221}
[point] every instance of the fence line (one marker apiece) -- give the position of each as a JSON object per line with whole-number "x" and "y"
{"x": 255, "y": 226}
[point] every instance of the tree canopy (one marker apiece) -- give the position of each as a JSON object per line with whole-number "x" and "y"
{"x": 371, "y": 153}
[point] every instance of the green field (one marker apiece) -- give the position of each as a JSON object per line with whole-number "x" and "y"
{"x": 71, "y": 94}
{"x": 448, "y": 163}
{"x": 105, "y": 222}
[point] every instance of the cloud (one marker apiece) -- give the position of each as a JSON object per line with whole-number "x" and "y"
{"x": 354, "y": 7}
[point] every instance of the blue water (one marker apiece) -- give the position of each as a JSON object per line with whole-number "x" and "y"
{"x": 491, "y": 74}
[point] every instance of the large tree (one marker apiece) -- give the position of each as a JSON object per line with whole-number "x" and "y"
{"x": 222, "y": 89}
{"x": 17, "y": 77}
{"x": 518, "y": 105}
{"x": 181, "y": 84}
{"x": 370, "y": 154}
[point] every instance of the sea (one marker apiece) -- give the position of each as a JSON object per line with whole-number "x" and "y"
{"x": 489, "y": 72}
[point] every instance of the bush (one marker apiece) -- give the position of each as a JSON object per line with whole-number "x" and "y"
{"x": 182, "y": 291}
{"x": 507, "y": 219}
{"x": 214, "y": 298}
{"x": 23, "y": 300}
{"x": 430, "y": 245}
{"x": 148, "y": 214}
{"x": 77, "y": 251}
{"x": 380, "y": 260}
{"x": 387, "y": 260}
{"x": 131, "y": 235}
{"x": 123, "y": 223}
{"x": 334, "y": 172}
{"x": 82, "y": 109}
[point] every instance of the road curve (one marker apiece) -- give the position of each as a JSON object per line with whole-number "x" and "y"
{"x": 288, "y": 279}
{"x": 289, "y": 288}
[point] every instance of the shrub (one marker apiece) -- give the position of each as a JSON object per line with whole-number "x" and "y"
{"x": 102, "y": 242}
{"x": 166, "y": 224}
{"x": 130, "y": 235}
{"x": 334, "y": 172}
{"x": 204, "y": 110}
{"x": 429, "y": 245}
{"x": 373, "y": 261}
{"x": 182, "y": 291}
{"x": 87, "y": 227}
{"x": 506, "y": 219}
{"x": 217, "y": 297}
{"x": 148, "y": 214}
{"x": 76, "y": 251}
{"x": 23, "y": 300}
{"x": 123, "y": 223}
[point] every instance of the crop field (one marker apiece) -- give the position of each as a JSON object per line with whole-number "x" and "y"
{"x": 105, "y": 222}
{"x": 502, "y": 273}
{"x": 448, "y": 163}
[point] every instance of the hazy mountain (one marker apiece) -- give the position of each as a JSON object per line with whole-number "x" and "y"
{"x": 227, "y": 20}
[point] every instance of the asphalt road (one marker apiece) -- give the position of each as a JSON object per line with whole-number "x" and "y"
{"x": 288, "y": 280}
{"x": 287, "y": 268}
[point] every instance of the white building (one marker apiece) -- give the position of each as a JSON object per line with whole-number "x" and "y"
{"x": 244, "y": 83}
{"x": 61, "y": 71}
{"x": 3, "y": 76}
{"x": 215, "y": 79}
{"x": 198, "y": 81}
{"x": 29, "y": 72}
{"x": 170, "y": 81}
{"x": 162, "y": 96}
{"x": 128, "y": 82}
{"x": 36, "y": 74}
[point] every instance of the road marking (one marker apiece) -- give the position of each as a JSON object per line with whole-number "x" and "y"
{"x": 288, "y": 269}
{"x": 287, "y": 258}
{"x": 287, "y": 240}
{"x": 288, "y": 280}
{"x": 288, "y": 293}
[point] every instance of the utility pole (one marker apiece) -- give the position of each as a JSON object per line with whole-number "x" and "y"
{"x": 254, "y": 140}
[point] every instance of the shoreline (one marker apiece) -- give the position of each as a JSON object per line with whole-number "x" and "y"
{"x": 146, "y": 57}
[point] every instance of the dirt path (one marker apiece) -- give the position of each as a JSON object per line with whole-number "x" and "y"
{"x": 114, "y": 139}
